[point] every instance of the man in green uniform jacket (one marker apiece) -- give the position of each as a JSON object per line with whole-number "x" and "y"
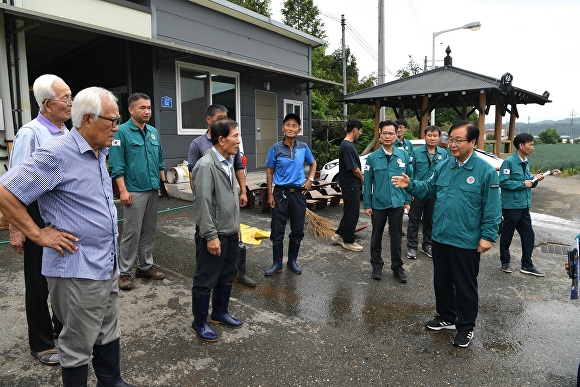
{"x": 465, "y": 224}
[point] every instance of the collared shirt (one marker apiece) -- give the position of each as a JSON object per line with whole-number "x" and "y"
{"x": 74, "y": 193}
{"x": 227, "y": 164}
{"x": 467, "y": 207}
{"x": 513, "y": 174}
{"x": 31, "y": 136}
{"x": 288, "y": 164}
{"x": 424, "y": 163}
{"x": 198, "y": 148}
{"x": 137, "y": 155}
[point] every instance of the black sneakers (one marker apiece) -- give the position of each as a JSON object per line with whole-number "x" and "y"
{"x": 438, "y": 324}
{"x": 532, "y": 270}
{"x": 505, "y": 267}
{"x": 462, "y": 339}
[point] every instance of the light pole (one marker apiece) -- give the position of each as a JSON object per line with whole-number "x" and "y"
{"x": 469, "y": 26}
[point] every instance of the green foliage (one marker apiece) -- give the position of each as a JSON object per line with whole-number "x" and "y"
{"x": 549, "y": 136}
{"x": 412, "y": 68}
{"x": 565, "y": 157}
{"x": 304, "y": 16}
{"x": 259, "y": 6}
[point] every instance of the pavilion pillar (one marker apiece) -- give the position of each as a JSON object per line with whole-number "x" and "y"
{"x": 481, "y": 121}
{"x": 497, "y": 131}
{"x": 424, "y": 117}
{"x": 512, "y": 130}
{"x": 377, "y": 121}
{"x": 464, "y": 111}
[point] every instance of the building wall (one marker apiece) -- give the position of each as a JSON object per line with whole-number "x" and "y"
{"x": 186, "y": 23}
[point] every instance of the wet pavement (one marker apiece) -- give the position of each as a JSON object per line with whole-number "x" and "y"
{"x": 333, "y": 325}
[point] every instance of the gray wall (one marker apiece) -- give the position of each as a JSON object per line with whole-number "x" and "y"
{"x": 189, "y": 24}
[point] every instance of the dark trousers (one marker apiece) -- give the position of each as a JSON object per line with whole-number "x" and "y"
{"x": 213, "y": 269}
{"x": 517, "y": 219}
{"x": 379, "y": 219}
{"x": 40, "y": 324}
{"x": 455, "y": 280}
{"x": 289, "y": 205}
{"x": 421, "y": 213}
{"x": 350, "y": 213}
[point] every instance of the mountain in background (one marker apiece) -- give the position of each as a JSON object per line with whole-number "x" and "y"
{"x": 561, "y": 126}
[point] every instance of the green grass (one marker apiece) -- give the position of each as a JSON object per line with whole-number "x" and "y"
{"x": 565, "y": 157}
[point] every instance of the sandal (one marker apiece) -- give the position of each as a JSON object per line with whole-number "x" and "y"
{"x": 48, "y": 357}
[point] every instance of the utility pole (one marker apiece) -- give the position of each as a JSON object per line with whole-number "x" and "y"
{"x": 528, "y": 124}
{"x": 381, "y": 73}
{"x": 344, "y": 107}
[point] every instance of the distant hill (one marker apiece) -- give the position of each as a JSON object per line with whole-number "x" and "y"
{"x": 561, "y": 126}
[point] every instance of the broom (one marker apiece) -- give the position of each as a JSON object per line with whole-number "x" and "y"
{"x": 319, "y": 226}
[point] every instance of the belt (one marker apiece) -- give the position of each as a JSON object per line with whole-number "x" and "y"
{"x": 291, "y": 188}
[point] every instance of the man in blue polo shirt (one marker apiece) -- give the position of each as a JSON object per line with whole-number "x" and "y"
{"x": 285, "y": 162}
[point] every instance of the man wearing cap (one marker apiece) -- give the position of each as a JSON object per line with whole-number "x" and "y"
{"x": 285, "y": 162}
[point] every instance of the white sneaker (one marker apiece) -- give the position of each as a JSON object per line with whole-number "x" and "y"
{"x": 337, "y": 240}
{"x": 352, "y": 246}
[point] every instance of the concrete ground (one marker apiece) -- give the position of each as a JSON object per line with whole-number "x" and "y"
{"x": 333, "y": 325}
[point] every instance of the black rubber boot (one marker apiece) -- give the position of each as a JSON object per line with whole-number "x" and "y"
{"x": 277, "y": 251}
{"x": 219, "y": 306}
{"x": 293, "y": 249}
{"x": 200, "y": 306}
{"x": 75, "y": 376}
{"x": 242, "y": 277}
{"x": 107, "y": 365}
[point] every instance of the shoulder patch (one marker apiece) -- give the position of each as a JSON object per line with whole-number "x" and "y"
{"x": 116, "y": 143}
{"x": 506, "y": 171}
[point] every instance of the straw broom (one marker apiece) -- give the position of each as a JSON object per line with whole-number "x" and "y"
{"x": 319, "y": 226}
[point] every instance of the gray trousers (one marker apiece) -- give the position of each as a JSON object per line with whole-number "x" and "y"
{"x": 139, "y": 224}
{"x": 89, "y": 311}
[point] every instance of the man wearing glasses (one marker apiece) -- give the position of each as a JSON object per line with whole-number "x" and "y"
{"x": 69, "y": 178}
{"x": 465, "y": 224}
{"x": 54, "y": 100}
{"x": 384, "y": 202}
{"x": 136, "y": 163}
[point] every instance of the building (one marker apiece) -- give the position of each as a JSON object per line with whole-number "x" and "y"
{"x": 186, "y": 54}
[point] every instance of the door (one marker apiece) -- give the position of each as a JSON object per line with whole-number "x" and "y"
{"x": 266, "y": 125}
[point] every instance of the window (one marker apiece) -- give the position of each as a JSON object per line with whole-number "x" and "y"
{"x": 292, "y": 106}
{"x": 197, "y": 88}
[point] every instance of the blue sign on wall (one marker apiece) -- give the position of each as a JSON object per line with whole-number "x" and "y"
{"x": 166, "y": 102}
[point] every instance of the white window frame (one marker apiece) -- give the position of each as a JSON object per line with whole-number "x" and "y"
{"x": 210, "y": 70}
{"x": 294, "y": 102}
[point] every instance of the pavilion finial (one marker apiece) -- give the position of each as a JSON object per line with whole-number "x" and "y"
{"x": 448, "y": 60}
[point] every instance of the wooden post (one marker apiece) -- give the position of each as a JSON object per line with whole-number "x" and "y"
{"x": 481, "y": 122}
{"x": 497, "y": 131}
{"x": 464, "y": 111}
{"x": 512, "y": 130}
{"x": 424, "y": 117}
{"x": 377, "y": 121}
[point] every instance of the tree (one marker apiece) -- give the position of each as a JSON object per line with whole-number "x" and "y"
{"x": 412, "y": 68}
{"x": 304, "y": 16}
{"x": 549, "y": 136}
{"x": 259, "y": 6}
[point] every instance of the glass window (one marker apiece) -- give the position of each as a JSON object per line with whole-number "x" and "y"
{"x": 197, "y": 88}
{"x": 292, "y": 106}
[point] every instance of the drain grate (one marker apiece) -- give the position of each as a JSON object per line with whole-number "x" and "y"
{"x": 555, "y": 248}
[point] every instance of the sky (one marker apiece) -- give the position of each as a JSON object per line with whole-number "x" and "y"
{"x": 537, "y": 41}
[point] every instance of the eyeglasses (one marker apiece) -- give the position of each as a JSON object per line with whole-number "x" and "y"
{"x": 388, "y": 133}
{"x": 66, "y": 100}
{"x": 114, "y": 121}
{"x": 458, "y": 142}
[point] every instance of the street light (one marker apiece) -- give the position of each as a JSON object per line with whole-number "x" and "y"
{"x": 469, "y": 26}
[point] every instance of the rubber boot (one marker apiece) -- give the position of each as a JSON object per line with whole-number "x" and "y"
{"x": 277, "y": 251}
{"x": 242, "y": 277}
{"x": 293, "y": 249}
{"x": 219, "y": 307}
{"x": 107, "y": 365}
{"x": 75, "y": 376}
{"x": 200, "y": 306}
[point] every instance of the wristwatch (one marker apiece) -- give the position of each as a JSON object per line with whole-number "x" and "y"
{"x": 311, "y": 179}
